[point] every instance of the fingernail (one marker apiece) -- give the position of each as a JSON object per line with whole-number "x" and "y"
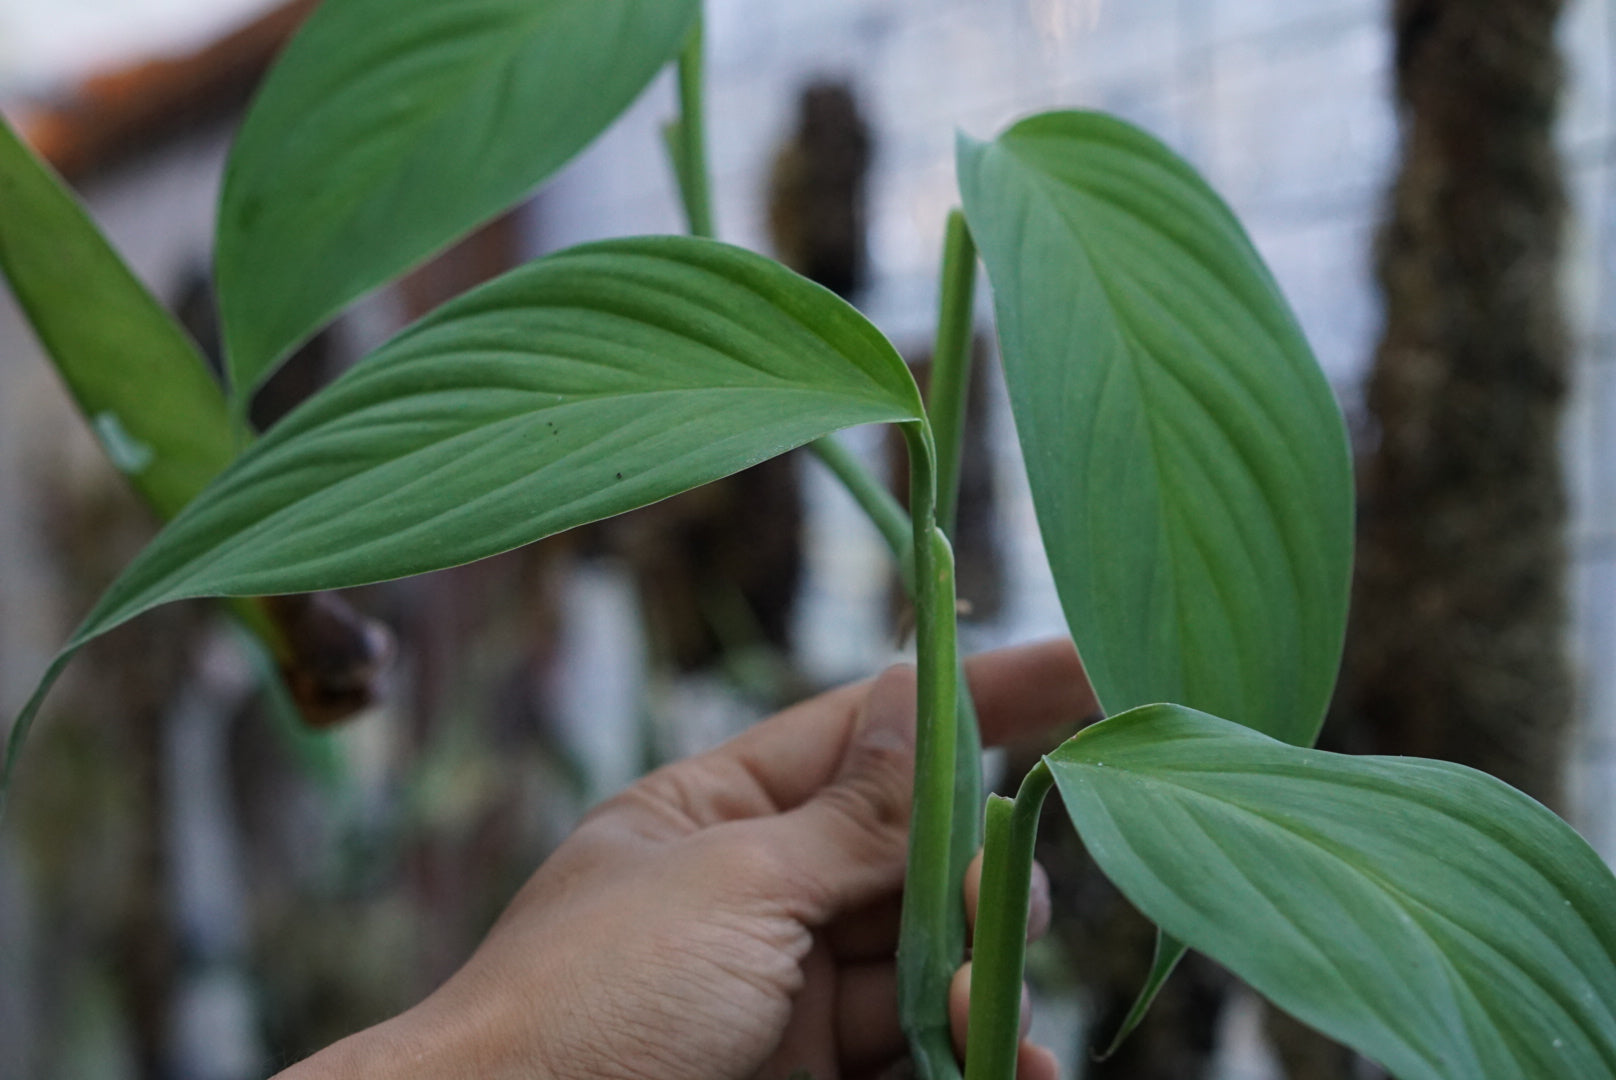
{"x": 959, "y": 1007}
{"x": 1038, "y": 903}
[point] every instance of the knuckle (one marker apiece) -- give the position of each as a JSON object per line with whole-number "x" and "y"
{"x": 875, "y": 810}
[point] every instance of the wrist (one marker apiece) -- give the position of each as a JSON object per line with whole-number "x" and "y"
{"x": 426, "y": 1043}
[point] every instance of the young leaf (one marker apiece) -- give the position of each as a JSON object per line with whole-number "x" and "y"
{"x": 390, "y": 127}
{"x": 576, "y": 387}
{"x": 135, "y": 374}
{"x": 109, "y": 339}
{"x": 1162, "y": 965}
{"x": 1423, "y": 913}
{"x": 1188, "y": 463}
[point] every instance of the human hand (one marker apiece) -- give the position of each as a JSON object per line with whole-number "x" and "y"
{"x": 732, "y": 915}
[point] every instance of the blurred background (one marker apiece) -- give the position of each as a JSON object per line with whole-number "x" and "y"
{"x": 197, "y": 885}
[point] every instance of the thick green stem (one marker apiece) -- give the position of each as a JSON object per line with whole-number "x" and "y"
{"x": 929, "y": 942}
{"x": 690, "y": 157}
{"x": 951, "y": 363}
{"x": 965, "y": 829}
{"x": 999, "y": 955}
{"x": 946, "y": 407}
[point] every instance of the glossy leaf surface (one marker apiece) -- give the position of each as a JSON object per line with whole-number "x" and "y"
{"x": 133, "y": 371}
{"x": 1188, "y": 462}
{"x": 577, "y": 387}
{"x": 1427, "y": 915}
{"x": 390, "y": 127}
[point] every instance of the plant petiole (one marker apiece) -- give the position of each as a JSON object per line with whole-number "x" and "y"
{"x": 998, "y": 957}
{"x": 689, "y": 142}
{"x": 927, "y": 945}
{"x": 951, "y": 363}
{"x": 874, "y": 499}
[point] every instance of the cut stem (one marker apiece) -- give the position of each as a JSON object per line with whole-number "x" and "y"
{"x": 951, "y": 363}
{"x": 998, "y": 958}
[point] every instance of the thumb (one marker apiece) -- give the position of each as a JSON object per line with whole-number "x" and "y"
{"x": 845, "y": 846}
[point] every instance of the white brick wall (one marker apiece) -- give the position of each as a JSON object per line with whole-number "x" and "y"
{"x": 1588, "y": 141}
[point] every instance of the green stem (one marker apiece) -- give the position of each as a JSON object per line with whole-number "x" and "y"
{"x": 1000, "y": 949}
{"x": 946, "y": 407}
{"x": 967, "y": 818}
{"x": 951, "y": 363}
{"x": 928, "y": 942}
{"x": 943, "y": 829}
{"x": 873, "y": 498}
{"x": 690, "y": 161}
{"x": 966, "y": 832}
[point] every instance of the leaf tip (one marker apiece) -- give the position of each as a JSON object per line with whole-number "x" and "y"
{"x": 966, "y": 147}
{"x": 1168, "y": 953}
{"x": 24, "y": 723}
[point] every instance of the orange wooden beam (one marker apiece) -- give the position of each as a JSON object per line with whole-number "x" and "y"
{"x": 112, "y": 118}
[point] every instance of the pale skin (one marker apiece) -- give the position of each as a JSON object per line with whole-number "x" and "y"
{"x": 730, "y": 916}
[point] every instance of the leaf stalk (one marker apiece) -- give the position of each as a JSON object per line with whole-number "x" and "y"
{"x": 690, "y": 158}
{"x": 931, "y": 934}
{"x": 951, "y": 363}
{"x": 874, "y": 499}
{"x": 998, "y": 958}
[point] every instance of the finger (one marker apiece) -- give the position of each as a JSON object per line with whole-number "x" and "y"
{"x": 1030, "y": 689}
{"x": 868, "y": 934}
{"x": 1034, "y": 1062}
{"x": 844, "y": 848}
{"x": 779, "y": 763}
{"x": 1039, "y": 907}
{"x": 959, "y": 1008}
{"x": 867, "y": 1029}
{"x": 1038, "y": 904}
{"x": 804, "y": 1046}
{"x": 771, "y": 767}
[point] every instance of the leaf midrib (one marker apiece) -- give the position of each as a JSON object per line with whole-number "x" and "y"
{"x": 1043, "y": 185}
{"x": 441, "y": 105}
{"x": 197, "y": 566}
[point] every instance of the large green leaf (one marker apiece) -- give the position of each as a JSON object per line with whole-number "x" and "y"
{"x": 139, "y": 380}
{"x": 1425, "y": 914}
{"x": 579, "y": 386}
{"x": 135, "y": 374}
{"x": 1188, "y": 462}
{"x": 390, "y": 127}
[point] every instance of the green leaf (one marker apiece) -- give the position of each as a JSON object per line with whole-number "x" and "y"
{"x": 391, "y": 127}
{"x": 109, "y": 339}
{"x": 1425, "y": 914}
{"x": 1162, "y": 965}
{"x": 1188, "y": 462}
{"x": 576, "y": 387}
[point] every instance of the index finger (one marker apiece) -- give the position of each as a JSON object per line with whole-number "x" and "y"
{"x": 1020, "y": 692}
{"x": 1026, "y": 690}
{"x": 779, "y": 763}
